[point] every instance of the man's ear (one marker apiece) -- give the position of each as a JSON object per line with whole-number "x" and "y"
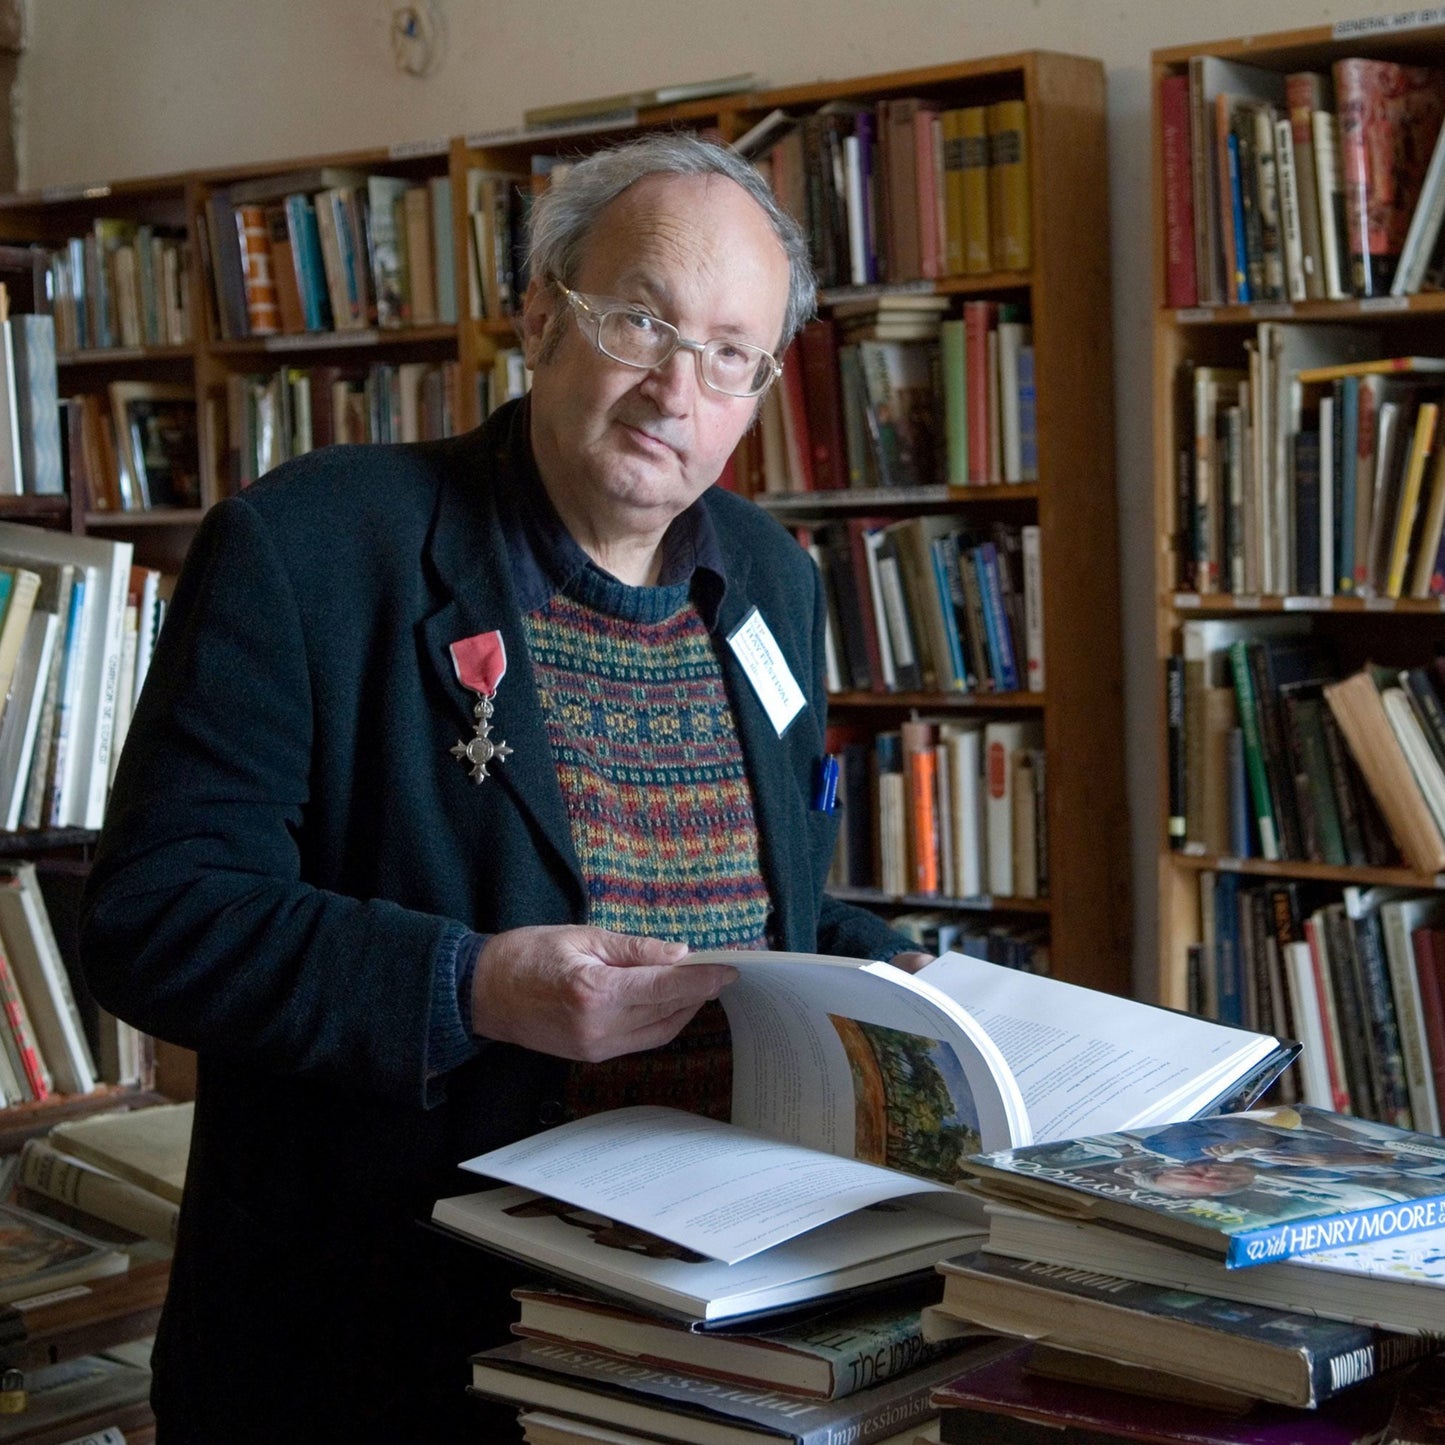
{"x": 539, "y": 307}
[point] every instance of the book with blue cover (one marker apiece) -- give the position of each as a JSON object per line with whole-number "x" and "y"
{"x": 1251, "y": 1188}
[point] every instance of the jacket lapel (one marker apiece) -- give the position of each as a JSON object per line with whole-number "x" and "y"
{"x": 472, "y": 572}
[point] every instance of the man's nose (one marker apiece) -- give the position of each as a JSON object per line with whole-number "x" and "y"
{"x": 673, "y": 386}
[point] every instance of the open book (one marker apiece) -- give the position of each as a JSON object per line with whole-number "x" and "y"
{"x": 856, "y": 1087}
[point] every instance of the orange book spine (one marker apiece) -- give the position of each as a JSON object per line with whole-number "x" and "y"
{"x": 921, "y": 779}
{"x": 263, "y": 305}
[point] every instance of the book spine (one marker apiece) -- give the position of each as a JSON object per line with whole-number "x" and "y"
{"x": 1254, "y": 749}
{"x": 1181, "y": 280}
{"x": 117, "y": 1201}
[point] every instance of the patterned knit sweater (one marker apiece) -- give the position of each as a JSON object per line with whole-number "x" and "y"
{"x": 652, "y": 775}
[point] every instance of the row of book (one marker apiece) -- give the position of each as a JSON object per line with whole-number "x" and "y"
{"x": 1278, "y": 752}
{"x": 133, "y": 447}
{"x": 77, "y": 632}
{"x": 893, "y": 392}
{"x": 1311, "y": 472}
{"x": 1354, "y": 973}
{"x": 273, "y": 416}
{"x": 30, "y": 425}
{"x": 928, "y": 603}
{"x": 944, "y": 808}
{"x": 123, "y": 283}
{"x": 328, "y": 249}
{"x": 938, "y": 931}
{"x": 902, "y": 189}
{"x": 1302, "y": 186}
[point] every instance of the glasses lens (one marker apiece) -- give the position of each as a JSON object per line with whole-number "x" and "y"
{"x": 735, "y": 368}
{"x": 635, "y": 338}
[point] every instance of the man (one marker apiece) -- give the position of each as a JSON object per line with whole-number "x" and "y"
{"x": 445, "y": 757}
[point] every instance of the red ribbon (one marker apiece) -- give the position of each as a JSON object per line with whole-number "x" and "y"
{"x": 480, "y": 662}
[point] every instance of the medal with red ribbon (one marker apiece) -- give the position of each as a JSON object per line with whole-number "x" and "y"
{"x": 481, "y": 663}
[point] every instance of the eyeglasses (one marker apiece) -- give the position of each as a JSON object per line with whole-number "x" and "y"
{"x": 638, "y": 338}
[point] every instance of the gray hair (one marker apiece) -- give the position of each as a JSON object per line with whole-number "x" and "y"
{"x": 563, "y": 216}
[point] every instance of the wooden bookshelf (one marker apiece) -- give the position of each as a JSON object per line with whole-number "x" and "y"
{"x": 1360, "y": 628}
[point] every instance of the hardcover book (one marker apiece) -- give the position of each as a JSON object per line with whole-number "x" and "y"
{"x": 39, "y": 1255}
{"x": 825, "y": 1355}
{"x": 1261, "y": 1352}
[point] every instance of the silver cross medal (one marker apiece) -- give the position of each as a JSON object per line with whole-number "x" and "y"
{"x": 481, "y": 750}
{"x": 480, "y": 664}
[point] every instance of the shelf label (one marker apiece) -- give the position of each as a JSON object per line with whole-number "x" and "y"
{"x": 1385, "y": 303}
{"x": 1247, "y": 601}
{"x": 1186, "y": 314}
{"x": 1385, "y": 24}
{"x": 410, "y": 149}
{"x": 82, "y": 192}
{"x": 76, "y": 1291}
{"x": 1271, "y": 311}
{"x": 1307, "y": 604}
{"x": 830, "y": 294}
{"x": 1187, "y": 599}
{"x": 1379, "y": 604}
{"x": 1227, "y": 864}
{"x": 323, "y": 340}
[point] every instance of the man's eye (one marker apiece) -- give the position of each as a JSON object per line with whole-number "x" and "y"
{"x": 640, "y": 321}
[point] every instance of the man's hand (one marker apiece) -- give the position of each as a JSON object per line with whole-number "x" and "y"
{"x": 911, "y": 962}
{"x": 587, "y": 994}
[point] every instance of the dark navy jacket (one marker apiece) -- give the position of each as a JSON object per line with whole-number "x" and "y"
{"x": 290, "y": 855}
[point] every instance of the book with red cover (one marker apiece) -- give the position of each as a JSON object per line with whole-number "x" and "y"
{"x": 1003, "y": 1403}
{"x": 816, "y": 354}
{"x": 858, "y": 528}
{"x": 1429, "y": 948}
{"x": 979, "y": 318}
{"x": 1390, "y": 115}
{"x": 1181, "y": 280}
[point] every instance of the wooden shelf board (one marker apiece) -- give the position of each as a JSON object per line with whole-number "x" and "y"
{"x": 25, "y": 842}
{"x": 1192, "y": 604}
{"x": 146, "y": 517}
{"x": 369, "y": 337}
{"x": 884, "y": 499}
{"x": 1324, "y": 872}
{"x": 19, "y": 1122}
{"x": 126, "y": 355}
{"x": 990, "y": 903}
{"x": 1003, "y": 701}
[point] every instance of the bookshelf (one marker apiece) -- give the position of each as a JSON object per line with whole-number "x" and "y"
{"x": 1243, "y": 549}
{"x": 223, "y": 362}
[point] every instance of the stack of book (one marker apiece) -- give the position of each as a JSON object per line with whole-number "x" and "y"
{"x": 1184, "y": 1264}
{"x": 859, "y": 1090}
{"x": 1303, "y": 185}
{"x": 119, "y": 1174}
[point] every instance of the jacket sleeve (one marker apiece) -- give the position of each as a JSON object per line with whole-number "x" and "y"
{"x": 197, "y": 924}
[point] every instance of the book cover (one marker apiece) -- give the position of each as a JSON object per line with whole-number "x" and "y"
{"x": 977, "y": 223}
{"x": 1389, "y": 118}
{"x": 1180, "y": 278}
{"x": 1269, "y": 1354}
{"x": 825, "y": 1355}
{"x": 57, "y": 1175}
{"x": 1009, "y": 210}
{"x": 1359, "y": 710}
{"x": 147, "y": 1146}
{"x": 37, "y": 409}
{"x": 388, "y": 279}
{"x": 40, "y": 1255}
{"x": 1249, "y": 1187}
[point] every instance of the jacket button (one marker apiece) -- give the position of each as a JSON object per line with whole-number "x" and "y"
{"x": 551, "y": 1112}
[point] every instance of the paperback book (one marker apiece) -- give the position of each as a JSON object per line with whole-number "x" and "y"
{"x": 1247, "y": 1187}
{"x": 830, "y": 1124}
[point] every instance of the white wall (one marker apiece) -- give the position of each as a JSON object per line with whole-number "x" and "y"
{"x": 113, "y": 89}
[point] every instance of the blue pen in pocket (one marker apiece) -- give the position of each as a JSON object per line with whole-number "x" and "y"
{"x": 825, "y": 784}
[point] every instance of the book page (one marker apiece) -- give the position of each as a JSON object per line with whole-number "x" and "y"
{"x": 1090, "y": 1062}
{"x": 865, "y": 1060}
{"x": 725, "y": 1192}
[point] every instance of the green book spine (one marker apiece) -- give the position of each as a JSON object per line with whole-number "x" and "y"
{"x": 1254, "y": 749}
{"x": 955, "y": 402}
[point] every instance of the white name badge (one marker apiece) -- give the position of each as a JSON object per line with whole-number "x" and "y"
{"x": 762, "y": 659}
